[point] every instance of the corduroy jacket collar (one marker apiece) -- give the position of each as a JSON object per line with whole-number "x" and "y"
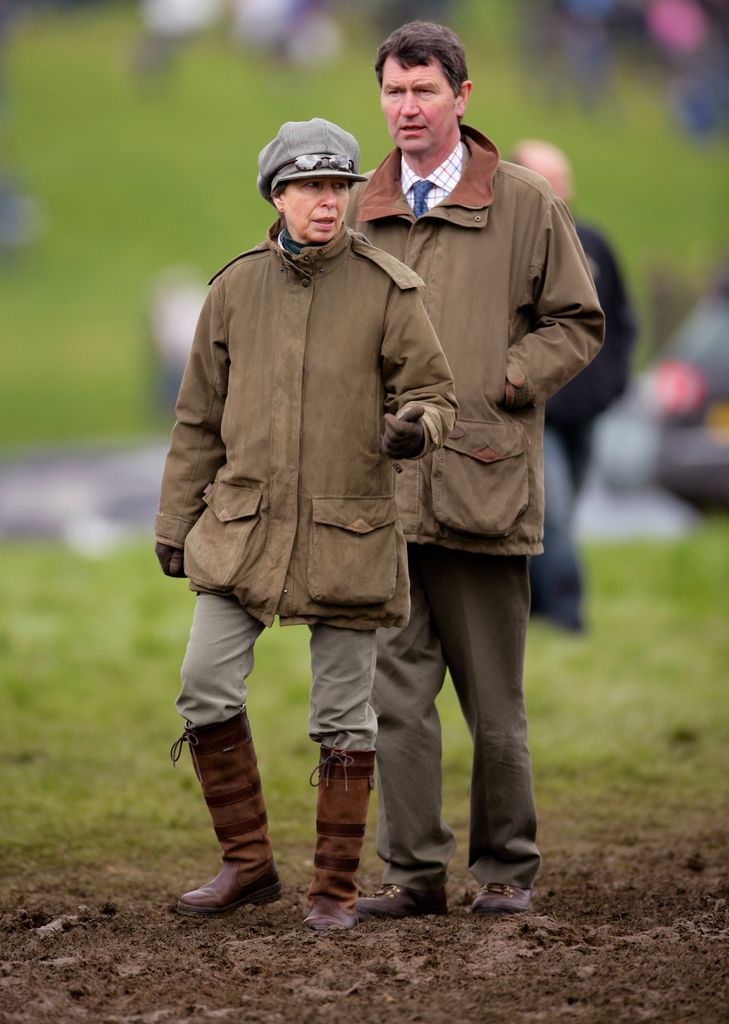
{"x": 383, "y": 195}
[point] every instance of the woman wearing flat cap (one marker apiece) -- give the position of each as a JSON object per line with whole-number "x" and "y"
{"x": 314, "y": 366}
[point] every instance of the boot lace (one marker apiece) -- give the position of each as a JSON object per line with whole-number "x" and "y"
{"x": 335, "y": 758}
{"x": 188, "y": 736}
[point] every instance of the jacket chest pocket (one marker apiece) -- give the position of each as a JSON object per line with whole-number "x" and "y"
{"x": 481, "y": 478}
{"x": 353, "y": 550}
{"x": 219, "y": 543}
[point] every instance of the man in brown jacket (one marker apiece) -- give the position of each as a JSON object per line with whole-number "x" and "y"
{"x": 514, "y": 306}
{"x": 280, "y": 489}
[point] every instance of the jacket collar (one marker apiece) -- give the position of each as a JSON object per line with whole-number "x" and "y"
{"x": 383, "y": 197}
{"x": 311, "y": 257}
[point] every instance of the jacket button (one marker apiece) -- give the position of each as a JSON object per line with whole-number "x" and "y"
{"x": 305, "y": 283}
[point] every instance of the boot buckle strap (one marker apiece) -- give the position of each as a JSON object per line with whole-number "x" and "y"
{"x": 328, "y": 862}
{"x": 340, "y": 830}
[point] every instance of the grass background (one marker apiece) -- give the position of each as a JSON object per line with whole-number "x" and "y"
{"x": 132, "y": 177}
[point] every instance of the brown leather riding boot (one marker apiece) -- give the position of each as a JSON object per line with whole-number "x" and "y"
{"x": 345, "y": 780}
{"x": 225, "y": 763}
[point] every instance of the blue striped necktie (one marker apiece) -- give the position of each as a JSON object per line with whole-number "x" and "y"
{"x": 420, "y": 197}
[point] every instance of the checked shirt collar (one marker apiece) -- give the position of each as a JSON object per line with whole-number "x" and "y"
{"x": 444, "y": 178}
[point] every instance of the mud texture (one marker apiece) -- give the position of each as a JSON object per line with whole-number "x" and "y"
{"x": 629, "y": 931}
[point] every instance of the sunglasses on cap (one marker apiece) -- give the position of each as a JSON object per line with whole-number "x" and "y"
{"x": 311, "y": 162}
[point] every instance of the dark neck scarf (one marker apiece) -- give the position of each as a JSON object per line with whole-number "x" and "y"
{"x": 287, "y": 242}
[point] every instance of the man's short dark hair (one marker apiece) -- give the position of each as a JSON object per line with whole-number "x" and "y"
{"x": 422, "y": 42}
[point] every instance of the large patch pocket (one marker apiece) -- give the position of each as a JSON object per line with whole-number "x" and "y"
{"x": 481, "y": 478}
{"x": 214, "y": 547}
{"x": 353, "y": 550}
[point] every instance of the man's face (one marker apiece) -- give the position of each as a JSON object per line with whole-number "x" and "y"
{"x": 421, "y": 111}
{"x": 313, "y": 208}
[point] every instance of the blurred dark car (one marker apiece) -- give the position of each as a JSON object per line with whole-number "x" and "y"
{"x": 671, "y": 428}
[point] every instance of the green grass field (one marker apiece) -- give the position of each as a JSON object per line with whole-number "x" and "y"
{"x": 133, "y": 177}
{"x": 630, "y": 723}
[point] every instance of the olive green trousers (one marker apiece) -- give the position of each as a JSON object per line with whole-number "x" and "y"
{"x": 469, "y": 615}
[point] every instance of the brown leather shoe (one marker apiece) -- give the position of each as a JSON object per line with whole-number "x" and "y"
{"x": 401, "y": 901}
{"x": 224, "y": 892}
{"x": 327, "y": 913}
{"x": 499, "y": 898}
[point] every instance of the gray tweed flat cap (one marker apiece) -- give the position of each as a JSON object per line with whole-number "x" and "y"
{"x": 308, "y": 149}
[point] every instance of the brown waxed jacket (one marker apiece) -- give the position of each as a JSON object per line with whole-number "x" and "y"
{"x": 510, "y": 296}
{"x": 275, "y": 482}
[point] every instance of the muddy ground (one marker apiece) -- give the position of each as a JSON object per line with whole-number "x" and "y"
{"x": 625, "y": 930}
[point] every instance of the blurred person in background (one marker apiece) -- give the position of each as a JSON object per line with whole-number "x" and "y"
{"x": 166, "y": 24}
{"x": 692, "y": 39}
{"x": 279, "y": 488}
{"x": 512, "y": 300}
{"x": 570, "y": 41}
{"x": 300, "y": 32}
{"x": 587, "y": 46}
{"x": 21, "y": 221}
{"x": 687, "y": 40}
{"x": 178, "y": 294}
{"x": 557, "y": 577}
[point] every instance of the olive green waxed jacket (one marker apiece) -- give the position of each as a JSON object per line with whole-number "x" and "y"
{"x": 510, "y": 295}
{"x": 275, "y": 483}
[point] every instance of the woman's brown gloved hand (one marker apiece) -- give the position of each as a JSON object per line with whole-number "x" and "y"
{"x": 171, "y": 560}
{"x": 404, "y": 438}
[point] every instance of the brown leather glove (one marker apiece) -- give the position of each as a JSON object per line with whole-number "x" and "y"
{"x": 171, "y": 560}
{"x": 404, "y": 438}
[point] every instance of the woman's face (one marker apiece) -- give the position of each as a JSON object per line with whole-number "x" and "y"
{"x": 313, "y": 208}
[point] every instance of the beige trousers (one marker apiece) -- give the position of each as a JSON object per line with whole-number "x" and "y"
{"x": 219, "y": 659}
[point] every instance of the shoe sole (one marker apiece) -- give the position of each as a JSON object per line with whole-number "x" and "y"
{"x": 328, "y": 927}
{"x": 364, "y": 915}
{"x": 269, "y": 895}
{"x": 499, "y": 911}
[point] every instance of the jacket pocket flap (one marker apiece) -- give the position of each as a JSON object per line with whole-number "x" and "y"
{"x": 486, "y": 442}
{"x": 229, "y": 502}
{"x": 358, "y": 515}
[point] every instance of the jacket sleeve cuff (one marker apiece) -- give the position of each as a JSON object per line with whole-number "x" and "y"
{"x": 522, "y": 390}
{"x": 171, "y": 530}
{"x": 432, "y": 439}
